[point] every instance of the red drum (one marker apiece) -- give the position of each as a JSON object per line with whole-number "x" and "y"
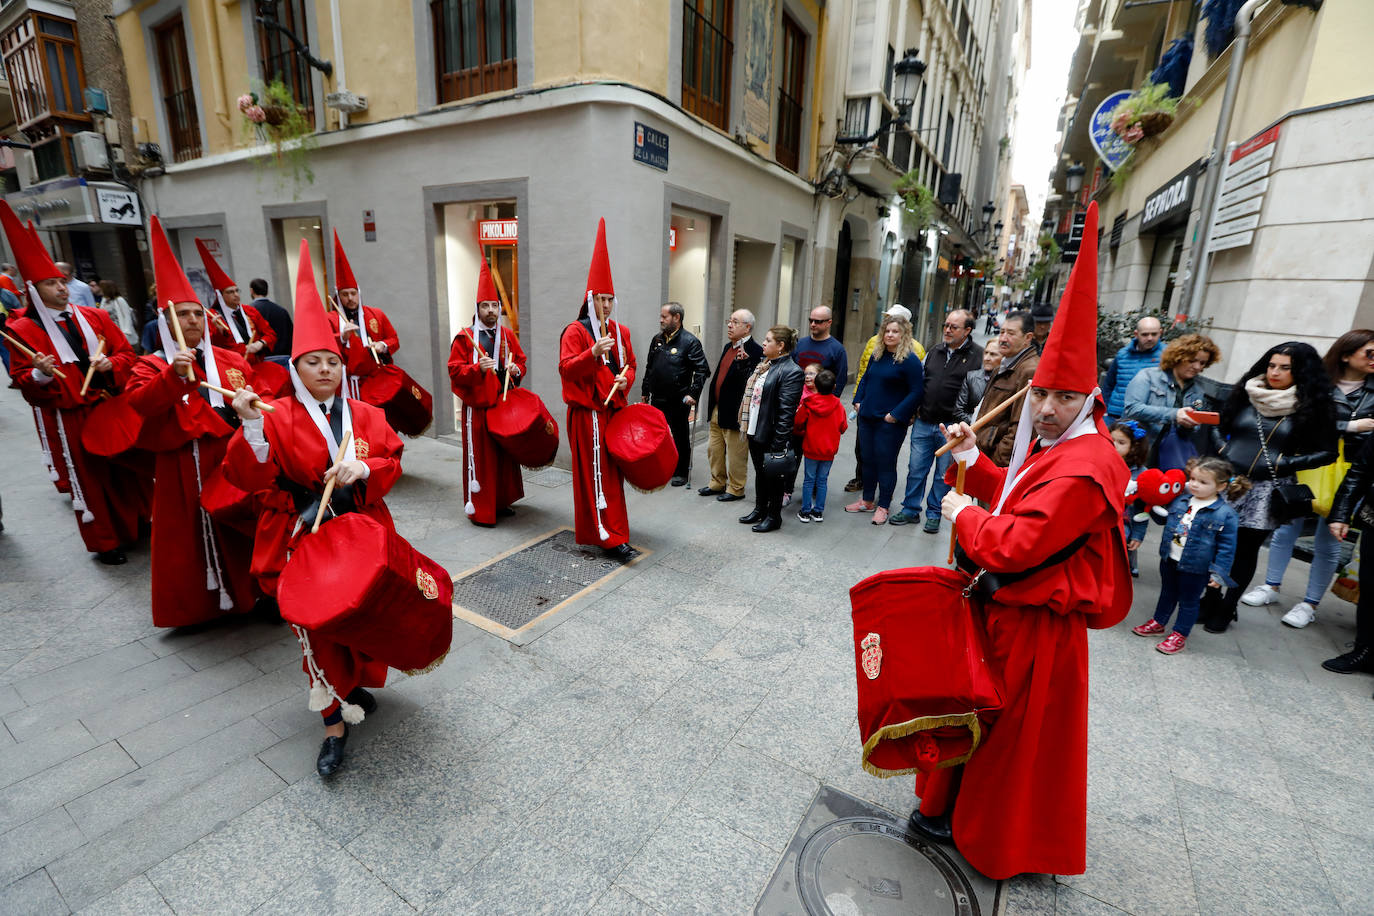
{"x": 408, "y": 407}
{"x": 229, "y": 505}
{"x": 111, "y": 427}
{"x": 361, "y": 584}
{"x": 524, "y": 428}
{"x": 641, "y": 443}
{"x": 926, "y": 692}
{"x": 272, "y": 379}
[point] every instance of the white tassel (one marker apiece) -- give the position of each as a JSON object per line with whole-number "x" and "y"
{"x": 226, "y": 603}
{"x": 43, "y": 441}
{"x": 319, "y": 698}
{"x": 352, "y": 714}
{"x": 476, "y": 486}
{"x": 601, "y": 500}
{"x": 210, "y": 583}
{"x": 87, "y": 517}
{"x": 78, "y": 496}
{"x": 53, "y": 475}
{"x": 469, "y": 508}
{"x": 601, "y": 531}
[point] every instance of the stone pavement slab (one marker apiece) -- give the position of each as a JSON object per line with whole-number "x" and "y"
{"x": 650, "y": 748}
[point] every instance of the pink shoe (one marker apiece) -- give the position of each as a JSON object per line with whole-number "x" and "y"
{"x": 1148, "y": 628}
{"x": 859, "y": 506}
{"x": 879, "y": 516}
{"x": 1172, "y": 644}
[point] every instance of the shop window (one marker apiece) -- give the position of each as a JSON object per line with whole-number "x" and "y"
{"x": 707, "y": 51}
{"x": 790, "y": 93}
{"x": 178, "y": 93}
{"x": 278, "y": 56}
{"x": 474, "y": 46}
{"x": 43, "y": 65}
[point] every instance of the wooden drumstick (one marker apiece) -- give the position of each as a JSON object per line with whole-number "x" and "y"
{"x": 987, "y": 418}
{"x": 505, "y": 388}
{"x": 257, "y": 402}
{"x": 618, "y": 378}
{"x": 958, "y": 488}
{"x": 181, "y": 338}
{"x": 90, "y": 373}
{"x": 329, "y": 487}
{"x": 19, "y": 345}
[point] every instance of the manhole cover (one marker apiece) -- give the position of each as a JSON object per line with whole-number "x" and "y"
{"x": 859, "y": 865}
{"x": 521, "y": 586}
{"x": 850, "y": 857}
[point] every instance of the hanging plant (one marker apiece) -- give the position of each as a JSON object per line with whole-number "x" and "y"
{"x": 1146, "y": 112}
{"x": 917, "y": 203}
{"x": 272, "y": 116}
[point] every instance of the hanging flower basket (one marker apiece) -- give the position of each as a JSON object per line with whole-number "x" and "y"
{"x": 275, "y": 115}
{"x": 1156, "y": 122}
{"x": 1146, "y": 112}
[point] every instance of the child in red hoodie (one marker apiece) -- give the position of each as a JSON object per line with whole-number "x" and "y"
{"x": 820, "y": 421}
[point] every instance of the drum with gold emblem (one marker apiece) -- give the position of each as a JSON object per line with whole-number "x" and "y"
{"x": 361, "y": 584}
{"x": 522, "y": 425}
{"x": 641, "y": 444}
{"x": 408, "y": 407}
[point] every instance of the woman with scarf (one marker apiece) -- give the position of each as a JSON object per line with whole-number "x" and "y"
{"x": 1280, "y": 419}
{"x": 288, "y": 460}
{"x": 766, "y": 414}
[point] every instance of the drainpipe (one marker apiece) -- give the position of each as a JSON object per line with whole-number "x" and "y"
{"x": 339, "y": 85}
{"x": 1211, "y": 193}
{"x": 207, "y": 9}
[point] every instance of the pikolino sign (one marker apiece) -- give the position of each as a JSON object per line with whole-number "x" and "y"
{"x": 1111, "y": 149}
{"x": 1172, "y": 200}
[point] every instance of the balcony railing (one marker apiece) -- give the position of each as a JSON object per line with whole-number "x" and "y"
{"x": 706, "y": 56}
{"x": 183, "y": 123}
{"x": 789, "y": 131}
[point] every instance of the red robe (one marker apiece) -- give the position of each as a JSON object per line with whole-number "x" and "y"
{"x": 297, "y": 452}
{"x": 116, "y": 496}
{"x": 587, "y": 379}
{"x": 191, "y": 579}
{"x": 498, "y": 475}
{"x": 267, "y": 377}
{"x": 1022, "y": 804}
{"x": 358, "y": 360}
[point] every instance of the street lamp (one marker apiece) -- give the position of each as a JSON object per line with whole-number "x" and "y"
{"x": 907, "y": 72}
{"x": 1073, "y": 178}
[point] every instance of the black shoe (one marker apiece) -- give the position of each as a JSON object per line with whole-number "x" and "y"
{"x": 804, "y": 516}
{"x": 112, "y": 557}
{"x": 677, "y": 482}
{"x": 707, "y": 491}
{"x": 772, "y": 523}
{"x": 505, "y": 512}
{"x": 1361, "y": 658}
{"x": 752, "y": 518}
{"x": 727, "y": 498}
{"x": 622, "y": 552}
{"x": 267, "y": 609}
{"x": 1219, "y": 624}
{"x": 331, "y": 756}
{"x": 364, "y": 698}
{"x": 854, "y": 485}
{"x": 934, "y": 829}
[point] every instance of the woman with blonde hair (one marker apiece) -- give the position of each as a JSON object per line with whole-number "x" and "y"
{"x": 886, "y": 400}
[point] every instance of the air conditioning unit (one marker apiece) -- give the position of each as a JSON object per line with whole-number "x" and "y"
{"x": 26, "y": 167}
{"x": 89, "y": 148}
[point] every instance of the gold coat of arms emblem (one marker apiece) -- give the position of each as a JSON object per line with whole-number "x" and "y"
{"x": 872, "y": 655}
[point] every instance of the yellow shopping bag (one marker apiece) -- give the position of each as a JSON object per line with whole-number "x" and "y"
{"x": 1325, "y": 481}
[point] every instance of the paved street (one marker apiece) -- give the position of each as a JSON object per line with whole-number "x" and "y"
{"x": 651, "y": 749}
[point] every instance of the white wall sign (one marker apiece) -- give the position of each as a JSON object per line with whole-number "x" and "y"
{"x": 118, "y": 206}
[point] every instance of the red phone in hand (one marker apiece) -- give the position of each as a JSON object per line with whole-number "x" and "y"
{"x": 1204, "y": 417}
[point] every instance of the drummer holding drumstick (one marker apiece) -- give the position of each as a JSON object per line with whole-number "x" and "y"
{"x": 310, "y": 440}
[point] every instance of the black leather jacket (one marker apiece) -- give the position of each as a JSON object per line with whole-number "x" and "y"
{"x": 1357, "y": 406}
{"x": 1290, "y": 447}
{"x": 1354, "y": 489}
{"x": 782, "y": 388}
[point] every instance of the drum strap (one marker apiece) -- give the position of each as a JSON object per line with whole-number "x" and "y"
{"x": 988, "y": 583}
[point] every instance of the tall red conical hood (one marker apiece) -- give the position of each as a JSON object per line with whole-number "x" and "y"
{"x": 218, "y": 278}
{"x": 30, "y": 256}
{"x": 343, "y": 274}
{"x": 1069, "y": 361}
{"x": 8, "y": 284}
{"x": 312, "y": 331}
{"x": 172, "y": 285}
{"x": 486, "y": 288}
{"x": 599, "y": 275}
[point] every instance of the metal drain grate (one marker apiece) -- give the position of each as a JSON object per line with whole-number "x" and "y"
{"x": 519, "y": 587}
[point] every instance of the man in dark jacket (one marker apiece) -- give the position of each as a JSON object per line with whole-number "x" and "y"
{"x": 945, "y": 368}
{"x": 674, "y": 374}
{"x": 1020, "y": 356}
{"x": 278, "y": 317}
{"x": 727, "y": 450}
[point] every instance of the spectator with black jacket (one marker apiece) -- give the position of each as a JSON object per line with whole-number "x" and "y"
{"x": 767, "y": 412}
{"x": 674, "y": 374}
{"x": 975, "y": 383}
{"x": 278, "y": 317}
{"x": 727, "y": 449}
{"x": 946, "y": 366}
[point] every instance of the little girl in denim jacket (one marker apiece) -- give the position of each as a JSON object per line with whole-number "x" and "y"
{"x": 1198, "y": 547}
{"x": 1129, "y": 438}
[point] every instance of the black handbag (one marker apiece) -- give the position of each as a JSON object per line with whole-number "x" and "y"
{"x": 780, "y": 464}
{"x": 1290, "y": 501}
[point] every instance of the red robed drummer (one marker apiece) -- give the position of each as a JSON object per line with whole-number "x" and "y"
{"x": 200, "y": 567}
{"x": 1021, "y": 805}
{"x": 291, "y": 457}
{"x": 364, "y": 332}
{"x": 596, "y": 361}
{"x": 478, "y": 363}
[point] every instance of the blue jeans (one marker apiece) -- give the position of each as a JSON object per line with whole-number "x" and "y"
{"x": 881, "y": 441}
{"x": 815, "y": 482}
{"x": 925, "y": 439}
{"x": 1179, "y": 588}
{"x": 1326, "y": 556}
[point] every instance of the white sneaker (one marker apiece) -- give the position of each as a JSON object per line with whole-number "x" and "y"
{"x": 1260, "y": 596}
{"x": 1300, "y": 616}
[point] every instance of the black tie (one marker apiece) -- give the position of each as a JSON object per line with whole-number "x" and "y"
{"x": 335, "y": 419}
{"x": 200, "y": 361}
{"x": 76, "y": 339}
{"x": 241, "y": 324}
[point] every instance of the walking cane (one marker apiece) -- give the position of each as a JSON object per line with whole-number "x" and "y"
{"x": 958, "y": 488}
{"x": 691, "y": 446}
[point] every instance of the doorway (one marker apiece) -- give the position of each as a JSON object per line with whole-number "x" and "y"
{"x": 753, "y": 264}
{"x": 689, "y": 265}
{"x": 840, "y": 295}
